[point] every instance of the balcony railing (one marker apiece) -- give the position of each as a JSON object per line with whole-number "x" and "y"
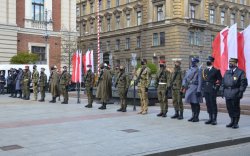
{"x": 30, "y": 23}
{"x": 197, "y": 22}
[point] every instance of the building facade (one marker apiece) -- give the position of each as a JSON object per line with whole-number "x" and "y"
{"x": 40, "y": 26}
{"x": 157, "y": 29}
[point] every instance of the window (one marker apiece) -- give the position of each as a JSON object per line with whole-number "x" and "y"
{"x": 138, "y": 42}
{"x": 117, "y": 44}
{"x": 192, "y": 11}
{"x": 108, "y": 4}
{"x": 196, "y": 37}
{"x": 38, "y": 10}
{"x": 127, "y": 1}
{"x": 139, "y": 18}
{"x": 83, "y": 9}
{"x": 222, "y": 18}
{"x": 108, "y": 45}
{"x": 92, "y": 28}
{"x": 117, "y": 26}
{"x": 84, "y": 29}
{"x": 242, "y": 21}
{"x": 211, "y": 12}
{"x": 108, "y": 25}
{"x": 155, "y": 39}
{"x": 91, "y": 8}
{"x": 127, "y": 45}
{"x": 100, "y": 26}
{"x": 128, "y": 20}
{"x": 117, "y": 2}
{"x": 212, "y": 39}
{"x": 242, "y": 2}
{"x": 160, "y": 15}
{"x": 40, "y": 51}
{"x": 232, "y": 19}
{"x": 77, "y": 11}
{"x": 162, "y": 38}
{"x": 100, "y": 4}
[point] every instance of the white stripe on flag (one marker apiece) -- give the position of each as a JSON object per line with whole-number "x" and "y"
{"x": 246, "y": 34}
{"x": 232, "y": 42}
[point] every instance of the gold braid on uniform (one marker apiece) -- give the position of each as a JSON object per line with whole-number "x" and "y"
{"x": 204, "y": 75}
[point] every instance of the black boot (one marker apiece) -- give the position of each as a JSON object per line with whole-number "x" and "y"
{"x": 103, "y": 106}
{"x": 164, "y": 114}
{"x": 214, "y": 119}
{"x": 53, "y": 100}
{"x": 160, "y": 114}
{"x": 41, "y": 100}
{"x": 176, "y": 115}
{"x": 120, "y": 109}
{"x": 235, "y": 124}
{"x": 88, "y": 106}
{"x": 20, "y": 94}
{"x": 231, "y": 123}
{"x": 181, "y": 115}
{"x": 197, "y": 112}
{"x": 15, "y": 95}
{"x": 124, "y": 109}
{"x": 192, "y": 118}
{"x": 209, "y": 121}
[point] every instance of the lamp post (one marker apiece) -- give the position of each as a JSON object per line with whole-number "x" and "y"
{"x": 46, "y": 35}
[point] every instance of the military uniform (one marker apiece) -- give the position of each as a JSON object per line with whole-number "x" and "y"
{"x": 104, "y": 87}
{"x": 42, "y": 84}
{"x": 234, "y": 84}
{"x": 64, "y": 84}
{"x": 193, "y": 83}
{"x": 175, "y": 85}
{"x": 26, "y": 83}
{"x": 162, "y": 82}
{"x": 2, "y": 83}
{"x": 122, "y": 83}
{"x": 54, "y": 84}
{"x": 211, "y": 84}
{"x": 89, "y": 84}
{"x": 144, "y": 75}
{"x": 35, "y": 78}
{"x": 19, "y": 85}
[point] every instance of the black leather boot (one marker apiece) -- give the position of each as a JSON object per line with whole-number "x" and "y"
{"x": 164, "y": 114}
{"x": 235, "y": 124}
{"x": 176, "y": 115}
{"x": 192, "y": 118}
{"x": 209, "y": 121}
{"x": 214, "y": 119}
{"x": 231, "y": 123}
{"x": 160, "y": 114}
{"x": 103, "y": 106}
{"x": 53, "y": 100}
{"x": 197, "y": 112}
{"x": 181, "y": 115}
{"x": 120, "y": 109}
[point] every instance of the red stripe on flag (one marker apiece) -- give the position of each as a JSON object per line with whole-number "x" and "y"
{"x": 224, "y": 56}
{"x": 241, "y": 55}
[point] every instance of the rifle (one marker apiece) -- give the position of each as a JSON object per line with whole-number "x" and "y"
{"x": 139, "y": 77}
{"x": 118, "y": 80}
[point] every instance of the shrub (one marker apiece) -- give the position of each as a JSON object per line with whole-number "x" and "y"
{"x": 24, "y": 58}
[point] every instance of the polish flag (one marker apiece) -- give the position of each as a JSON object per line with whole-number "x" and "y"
{"x": 77, "y": 67}
{"x": 246, "y": 39}
{"x": 88, "y": 59}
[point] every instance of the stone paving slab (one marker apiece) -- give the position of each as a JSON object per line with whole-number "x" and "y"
{"x": 46, "y": 129}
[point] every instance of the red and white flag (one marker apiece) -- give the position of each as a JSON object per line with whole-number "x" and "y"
{"x": 88, "y": 59}
{"x": 246, "y": 39}
{"x": 77, "y": 67}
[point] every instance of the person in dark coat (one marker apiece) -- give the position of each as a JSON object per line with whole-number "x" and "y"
{"x": 211, "y": 84}
{"x": 234, "y": 85}
{"x": 18, "y": 86}
{"x": 192, "y": 83}
{"x": 2, "y": 82}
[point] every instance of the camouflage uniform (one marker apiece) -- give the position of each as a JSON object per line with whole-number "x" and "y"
{"x": 175, "y": 85}
{"x": 162, "y": 81}
{"x": 122, "y": 82}
{"x": 42, "y": 84}
{"x": 89, "y": 84}
{"x": 143, "y": 86}
{"x": 35, "y": 78}
{"x": 26, "y": 84}
{"x": 64, "y": 84}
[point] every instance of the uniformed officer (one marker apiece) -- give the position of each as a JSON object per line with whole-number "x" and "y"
{"x": 64, "y": 85}
{"x": 122, "y": 82}
{"x": 42, "y": 84}
{"x": 104, "y": 86}
{"x": 19, "y": 85}
{"x": 211, "y": 84}
{"x": 26, "y": 83}
{"x": 89, "y": 80}
{"x": 143, "y": 75}
{"x": 161, "y": 83}
{"x": 175, "y": 85}
{"x": 192, "y": 83}
{"x": 2, "y": 82}
{"x": 35, "y": 78}
{"x": 54, "y": 84}
{"x": 234, "y": 84}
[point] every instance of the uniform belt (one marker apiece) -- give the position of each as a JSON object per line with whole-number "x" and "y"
{"x": 230, "y": 87}
{"x": 162, "y": 83}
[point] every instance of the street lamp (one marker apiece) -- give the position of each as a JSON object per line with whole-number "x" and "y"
{"x": 46, "y": 34}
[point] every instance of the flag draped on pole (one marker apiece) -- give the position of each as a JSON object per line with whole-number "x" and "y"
{"x": 77, "y": 67}
{"x": 232, "y": 44}
{"x": 88, "y": 59}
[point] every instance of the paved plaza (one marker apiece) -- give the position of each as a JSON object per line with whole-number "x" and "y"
{"x": 46, "y": 129}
